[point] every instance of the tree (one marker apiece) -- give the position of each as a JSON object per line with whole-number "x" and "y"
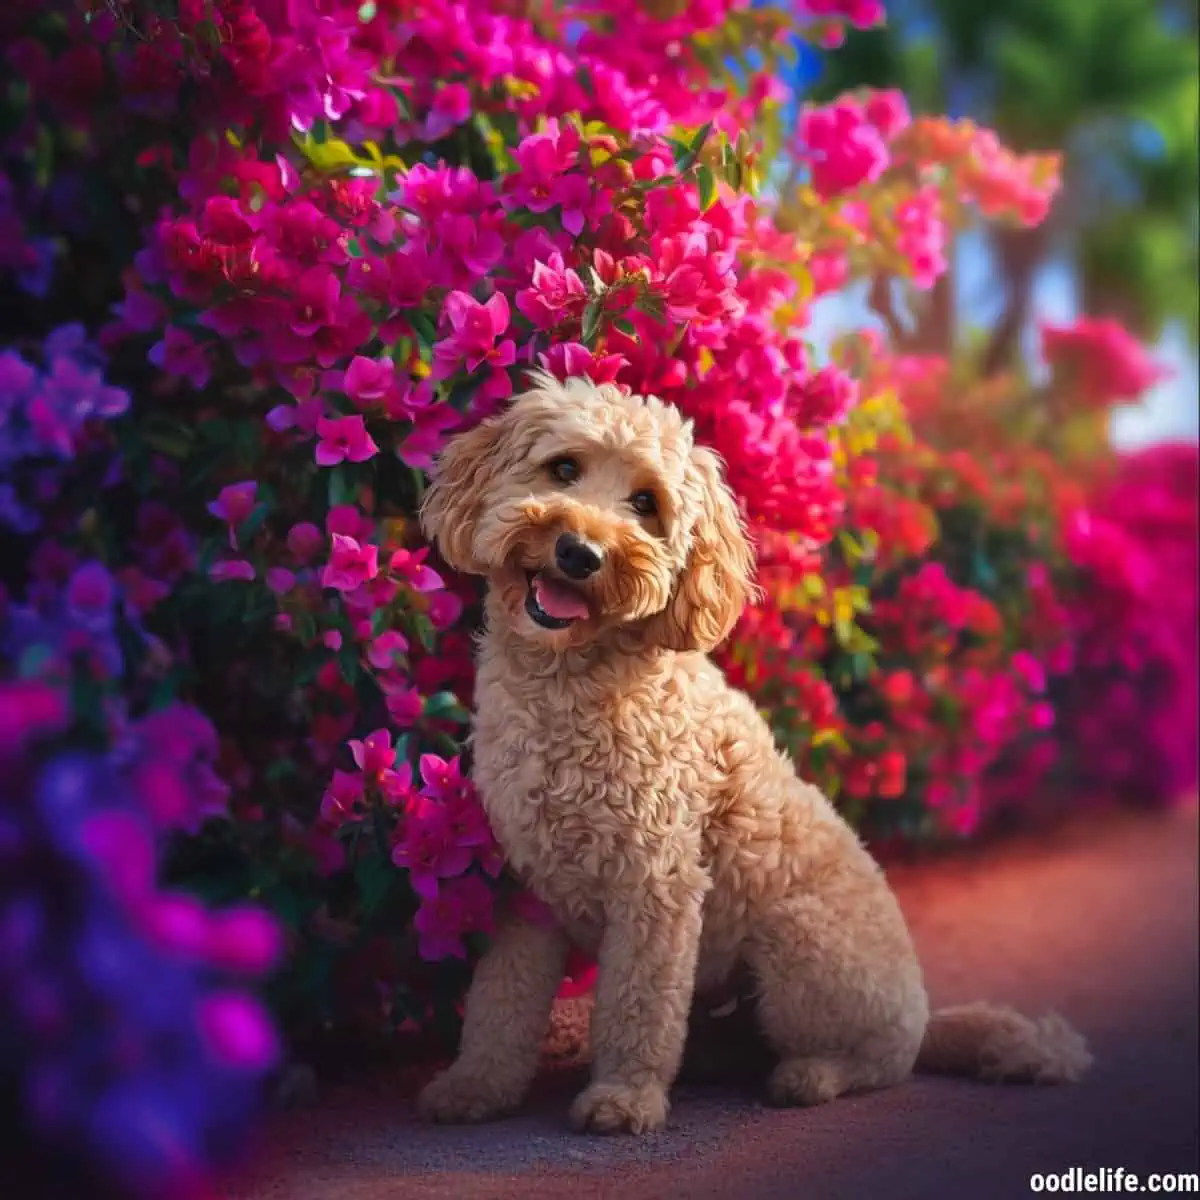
{"x": 1114, "y": 83}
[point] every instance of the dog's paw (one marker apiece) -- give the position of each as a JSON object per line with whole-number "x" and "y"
{"x": 620, "y": 1108}
{"x": 457, "y": 1098}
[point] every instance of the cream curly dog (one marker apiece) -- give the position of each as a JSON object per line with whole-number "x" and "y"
{"x": 643, "y": 799}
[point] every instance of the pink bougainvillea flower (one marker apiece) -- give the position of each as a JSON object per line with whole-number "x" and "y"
{"x": 384, "y": 650}
{"x": 180, "y": 354}
{"x": 565, "y": 360}
{"x": 374, "y": 755}
{"x": 238, "y": 1031}
{"x": 280, "y": 580}
{"x": 442, "y": 778}
{"x": 555, "y": 293}
{"x": 342, "y": 799}
{"x": 1107, "y": 364}
{"x": 235, "y": 502}
{"x": 351, "y": 563}
{"x": 368, "y": 381}
{"x": 244, "y": 939}
{"x": 428, "y": 849}
{"x": 451, "y": 107}
{"x": 459, "y": 907}
{"x": 843, "y": 148}
{"x": 305, "y": 541}
{"x": 411, "y": 568}
{"x": 888, "y": 111}
{"x": 232, "y": 568}
{"x": 420, "y": 448}
{"x": 344, "y": 439}
{"x": 445, "y": 608}
{"x": 404, "y": 704}
{"x": 475, "y": 328}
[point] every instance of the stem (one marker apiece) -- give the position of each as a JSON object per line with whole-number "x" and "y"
{"x": 1020, "y": 252}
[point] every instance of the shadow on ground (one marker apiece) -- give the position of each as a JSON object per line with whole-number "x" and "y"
{"x": 1098, "y": 922}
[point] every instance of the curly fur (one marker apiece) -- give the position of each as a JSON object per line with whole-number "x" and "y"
{"x": 644, "y": 799}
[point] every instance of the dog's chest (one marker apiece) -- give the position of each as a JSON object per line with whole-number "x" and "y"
{"x": 575, "y": 792}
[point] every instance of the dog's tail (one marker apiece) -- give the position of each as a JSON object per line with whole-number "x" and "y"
{"x": 992, "y": 1041}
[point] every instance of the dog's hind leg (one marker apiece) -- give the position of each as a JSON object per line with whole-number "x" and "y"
{"x": 840, "y": 998}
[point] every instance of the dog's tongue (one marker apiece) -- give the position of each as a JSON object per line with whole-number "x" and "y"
{"x": 558, "y": 600}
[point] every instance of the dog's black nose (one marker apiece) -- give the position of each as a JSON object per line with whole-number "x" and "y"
{"x": 576, "y": 558}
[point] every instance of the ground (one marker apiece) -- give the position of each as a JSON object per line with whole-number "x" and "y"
{"x": 1097, "y": 921}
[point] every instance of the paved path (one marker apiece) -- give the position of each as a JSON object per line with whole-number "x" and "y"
{"x": 1098, "y": 922}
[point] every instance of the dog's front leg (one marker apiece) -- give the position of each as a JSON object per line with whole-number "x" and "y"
{"x": 647, "y": 970}
{"x": 504, "y": 1021}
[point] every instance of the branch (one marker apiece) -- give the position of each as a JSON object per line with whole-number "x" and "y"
{"x": 880, "y": 299}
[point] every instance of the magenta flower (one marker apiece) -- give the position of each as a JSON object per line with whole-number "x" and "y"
{"x": 475, "y": 329}
{"x": 384, "y": 650}
{"x": 238, "y": 1032}
{"x": 232, "y": 568}
{"x": 178, "y": 353}
{"x": 280, "y": 580}
{"x": 235, "y": 502}
{"x": 316, "y": 297}
{"x": 843, "y": 147}
{"x": 428, "y": 849}
{"x": 344, "y": 439}
{"x": 442, "y": 778}
{"x": 888, "y": 111}
{"x": 422, "y": 446}
{"x": 368, "y": 381}
{"x": 555, "y": 293}
{"x": 244, "y": 940}
{"x": 541, "y": 159}
{"x": 91, "y": 594}
{"x": 444, "y": 610}
{"x": 565, "y": 360}
{"x": 411, "y": 567}
{"x": 305, "y": 541}
{"x": 451, "y": 107}
{"x": 374, "y": 755}
{"x": 351, "y": 563}
{"x": 342, "y": 798}
{"x": 459, "y": 907}
{"x": 404, "y": 704}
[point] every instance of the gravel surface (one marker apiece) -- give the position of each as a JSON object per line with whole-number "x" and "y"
{"x": 1098, "y": 921}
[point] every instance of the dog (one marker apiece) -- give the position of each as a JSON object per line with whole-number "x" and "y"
{"x": 644, "y": 800}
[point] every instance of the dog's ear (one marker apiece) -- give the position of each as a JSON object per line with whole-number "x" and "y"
{"x": 717, "y": 581}
{"x": 456, "y": 496}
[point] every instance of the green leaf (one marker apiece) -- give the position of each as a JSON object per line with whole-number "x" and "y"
{"x": 423, "y": 629}
{"x": 374, "y": 876}
{"x": 444, "y": 706}
{"x": 626, "y": 326}
{"x": 700, "y": 138}
{"x": 252, "y": 524}
{"x": 423, "y": 327}
{"x": 341, "y": 487}
{"x": 706, "y": 185}
{"x": 591, "y": 322}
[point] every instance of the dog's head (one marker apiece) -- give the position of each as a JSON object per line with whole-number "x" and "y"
{"x": 588, "y": 511}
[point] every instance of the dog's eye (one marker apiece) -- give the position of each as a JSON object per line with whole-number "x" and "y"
{"x": 565, "y": 470}
{"x": 644, "y": 503}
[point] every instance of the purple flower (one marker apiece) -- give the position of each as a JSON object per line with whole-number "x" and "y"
{"x": 179, "y": 354}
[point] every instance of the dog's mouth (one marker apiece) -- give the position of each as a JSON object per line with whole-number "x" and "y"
{"x": 553, "y": 603}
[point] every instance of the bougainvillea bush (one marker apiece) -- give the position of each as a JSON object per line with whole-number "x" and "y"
{"x": 311, "y": 241}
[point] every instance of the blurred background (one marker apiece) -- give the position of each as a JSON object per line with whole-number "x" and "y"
{"x": 1113, "y": 84}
